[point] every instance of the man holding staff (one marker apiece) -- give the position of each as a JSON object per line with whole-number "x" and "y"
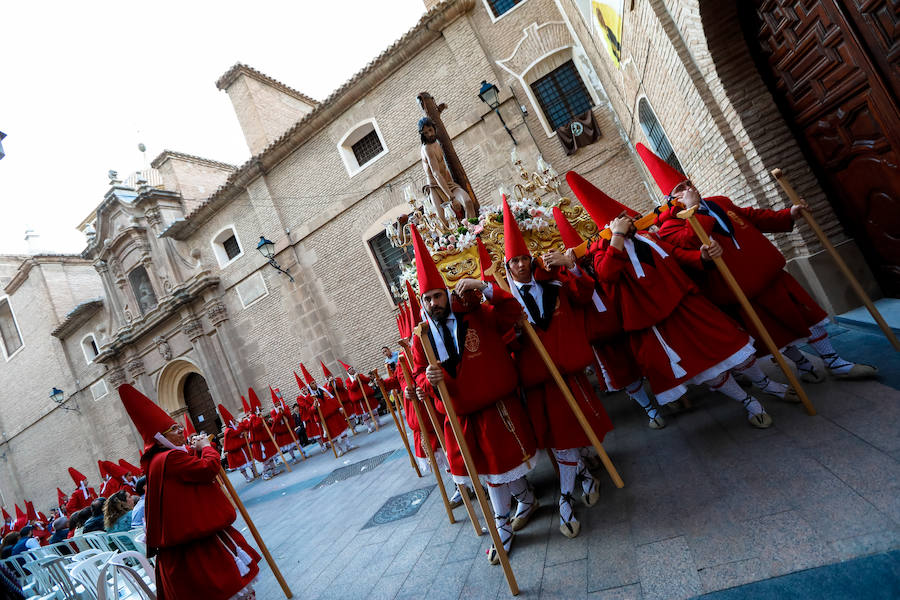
{"x": 470, "y": 338}
{"x": 677, "y": 336}
{"x": 335, "y": 424}
{"x": 188, "y": 517}
{"x": 363, "y": 402}
{"x": 787, "y": 311}
{"x": 554, "y": 297}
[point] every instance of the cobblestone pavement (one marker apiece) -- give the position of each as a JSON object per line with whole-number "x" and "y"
{"x": 709, "y": 504}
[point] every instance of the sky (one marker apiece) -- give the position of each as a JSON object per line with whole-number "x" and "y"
{"x": 82, "y": 83}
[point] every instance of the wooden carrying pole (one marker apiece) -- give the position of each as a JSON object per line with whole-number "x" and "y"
{"x": 272, "y": 437}
{"x": 422, "y": 333}
{"x": 851, "y": 279}
{"x": 362, "y": 388}
{"x": 688, "y": 215}
{"x": 324, "y": 426}
{"x": 399, "y": 422}
{"x": 400, "y": 429}
{"x": 500, "y": 278}
{"x": 236, "y": 500}
{"x": 284, "y": 419}
{"x": 343, "y": 410}
{"x": 438, "y": 432}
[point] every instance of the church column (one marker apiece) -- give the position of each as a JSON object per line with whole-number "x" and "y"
{"x": 224, "y": 343}
{"x": 102, "y": 268}
{"x": 115, "y": 377}
{"x": 192, "y": 327}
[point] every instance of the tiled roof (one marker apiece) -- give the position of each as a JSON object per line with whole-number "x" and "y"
{"x": 77, "y": 316}
{"x": 231, "y": 74}
{"x": 160, "y": 159}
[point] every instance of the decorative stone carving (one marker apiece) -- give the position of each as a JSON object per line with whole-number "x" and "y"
{"x": 537, "y": 42}
{"x": 154, "y": 217}
{"x": 162, "y": 346}
{"x": 216, "y": 312}
{"x": 102, "y": 267}
{"x": 135, "y": 368}
{"x": 192, "y": 328}
{"x": 115, "y": 377}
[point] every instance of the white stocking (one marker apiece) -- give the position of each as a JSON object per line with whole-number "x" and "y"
{"x": 637, "y": 393}
{"x": 726, "y": 384}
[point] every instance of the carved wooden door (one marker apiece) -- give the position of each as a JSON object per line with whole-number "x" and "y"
{"x": 200, "y": 405}
{"x": 834, "y": 68}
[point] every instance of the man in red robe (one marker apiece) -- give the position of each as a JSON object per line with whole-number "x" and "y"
{"x": 787, "y": 311}
{"x": 470, "y": 341}
{"x": 281, "y": 427}
{"x": 111, "y": 484}
{"x": 82, "y": 496}
{"x": 335, "y": 387}
{"x": 263, "y": 449}
{"x": 322, "y": 400}
{"x": 199, "y": 554}
{"x": 310, "y": 416}
{"x": 608, "y": 339}
{"x": 677, "y": 336}
{"x": 234, "y": 444}
{"x": 554, "y": 302}
{"x": 361, "y": 395}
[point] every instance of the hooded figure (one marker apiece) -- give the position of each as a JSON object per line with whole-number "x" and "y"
{"x": 188, "y": 517}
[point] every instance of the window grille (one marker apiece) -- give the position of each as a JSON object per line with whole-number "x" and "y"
{"x": 232, "y": 248}
{"x": 659, "y": 143}
{"x": 390, "y": 261}
{"x": 562, "y": 95}
{"x": 498, "y": 7}
{"x": 367, "y": 148}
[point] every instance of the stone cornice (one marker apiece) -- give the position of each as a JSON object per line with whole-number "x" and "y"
{"x": 181, "y": 295}
{"x": 30, "y": 262}
{"x": 76, "y": 317}
{"x": 427, "y": 30}
{"x": 225, "y": 81}
{"x": 199, "y": 160}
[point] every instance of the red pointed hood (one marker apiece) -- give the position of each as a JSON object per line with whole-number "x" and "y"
{"x": 601, "y": 207}
{"x": 229, "y": 419}
{"x": 306, "y": 376}
{"x": 130, "y": 467}
{"x": 484, "y": 261}
{"x": 21, "y": 518}
{"x": 513, "y": 241}
{"x": 188, "y": 426}
{"x": 101, "y": 466}
{"x": 29, "y": 511}
{"x": 325, "y": 372}
{"x": 245, "y": 406}
{"x": 60, "y": 498}
{"x": 570, "y": 237}
{"x": 415, "y": 309}
{"x": 427, "y": 273}
{"x": 147, "y": 416}
{"x": 255, "y": 404}
{"x": 665, "y": 175}
{"x": 404, "y": 327}
{"x": 76, "y": 476}
{"x": 115, "y": 471}
{"x": 345, "y": 365}
{"x": 300, "y": 383}
{"x": 275, "y": 398}
{"x": 6, "y": 517}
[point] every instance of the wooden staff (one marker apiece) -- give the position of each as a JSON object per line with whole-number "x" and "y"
{"x": 400, "y": 429}
{"x": 422, "y": 332}
{"x": 362, "y": 388}
{"x": 284, "y": 419}
{"x": 426, "y": 445}
{"x": 688, "y": 215}
{"x": 272, "y": 437}
{"x": 324, "y": 425}
{"x": 343, "y": 410}
{"x": 851, "y": 279}
{"x": 438, "y": 432}
{"x": 236, "y": 500}
{"x": 500, "y": 279}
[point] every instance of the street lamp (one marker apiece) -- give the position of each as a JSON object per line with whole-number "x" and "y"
{"x": 58, "y": 396}
{"x": 490, "y": 95}
{"x": 267, "y": 249}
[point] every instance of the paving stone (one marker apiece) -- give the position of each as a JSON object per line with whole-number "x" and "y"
{"x": 785, "y": 542}
{"x": 667, "y": 570}
{"x": 611, "y": 558}
{"x": 423, "y": 572}
{"x": 842, "y": 516}
{"x": 887, "y": 501}
{"x": 724, "y": 576}
{"x": 409, "y": 554}
{"x": 715, "y": 536}
{"x": 565, "y": 581}
{"x": 626, "y": 592}
{"x": 448, "y": 583}
{"x": 863, "y": 545}
{"x": 859, "y": 464}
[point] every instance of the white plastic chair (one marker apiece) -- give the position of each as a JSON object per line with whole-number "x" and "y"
{"x": 90, "y": 553}
{"x": 145, "y": 570}
{"x": 121, "y": 582}
{"x": 80, "y": 543}
{"x": 40, "y": 577}
{"x": 98, "y": 541}
{"x": 87, "y": 571}
{"x": 123, "y": 541}
{"x": 66, "y": 588}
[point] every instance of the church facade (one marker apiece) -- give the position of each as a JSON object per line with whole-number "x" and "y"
{"x": 171, "y": 294}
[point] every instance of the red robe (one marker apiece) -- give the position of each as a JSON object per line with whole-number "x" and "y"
{"x": 786, "y": 310}
{"x": 188, "y": 521}
{"x": 235, "y": 447}
{"x": 566, "y": 340}
{"x": 280, "y": 430}
{"x": 413, "y": 422}
{"x": 77, "y": 501}
{"x": 110, "y": 486}
{"x": 356, "y": 395}
{"x": 664, "y": 306}
{"x": 483, "y": 387}
{"x": 260, "y": 442}
{"x": 331, "y": 409}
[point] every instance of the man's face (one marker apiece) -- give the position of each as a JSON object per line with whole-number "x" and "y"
{"x": 386, "y": 351}
{"x": 428, "y": 133}
{"x": 686, "y": 193}
{"x": 175, "y": 434}
{"x": 437, "y": 304}
{"x": 520, "y": 268}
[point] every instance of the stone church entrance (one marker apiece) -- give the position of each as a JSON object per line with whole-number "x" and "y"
{"x": 200, "y": 405}
{"x": 833, "y": 67}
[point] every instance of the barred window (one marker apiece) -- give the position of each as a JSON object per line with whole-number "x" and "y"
{"x": 232, "y": 248}
{"x": 562, "y": 95}
{"x": 659, "y": 143}
{"x": 9, "y": 330}
{"x": 367, "y": 148}
{"x": 499, "y": 7}
{"x": 390, "y": 260}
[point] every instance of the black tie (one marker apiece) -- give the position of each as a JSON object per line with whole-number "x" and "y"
{"x": 449, "y": 343}
{"x": 531, "y": 303}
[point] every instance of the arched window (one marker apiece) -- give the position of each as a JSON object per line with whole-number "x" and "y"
{"x": 659, "y": 143}
{"x": 362, "y": 146}
{"x": 89, "y": 347}
{"x": 226, "y": 246}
